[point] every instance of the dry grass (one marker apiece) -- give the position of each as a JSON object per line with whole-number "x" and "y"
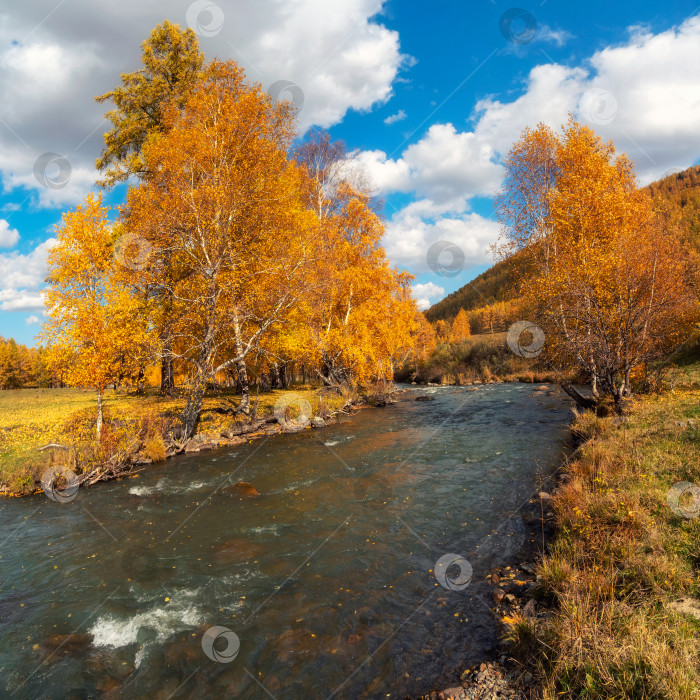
{"x": 621, "y": 557}
{"x": 484, "y": 358}
{"x": 155, "y": 449}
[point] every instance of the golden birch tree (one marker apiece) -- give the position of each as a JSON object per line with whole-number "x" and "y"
{"x": 96, "y": 328}
{"x": 222, "y": 208}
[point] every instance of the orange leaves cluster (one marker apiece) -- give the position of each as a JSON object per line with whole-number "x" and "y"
{"x": 610, "y": 280}
{"x": 95, "y": 327}
{"x": 222, "y": 211}
{"x": 361, "y": 318}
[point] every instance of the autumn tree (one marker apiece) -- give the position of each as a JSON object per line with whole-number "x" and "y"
{"x": 362, "y": 317}
{"x": 96, "y": 329}
{"x": 425, "y": 340}
{"x": 460, "y": 327}
{"x": 171, "y": 62}
{"x": 610, "y": 283}
{"x": 222, "y": 208}
{"x": 523, "y": 203}
{"x": 443, "y": 330}
{"x": 360, "y": 309}
{"x": 22, "y": 366}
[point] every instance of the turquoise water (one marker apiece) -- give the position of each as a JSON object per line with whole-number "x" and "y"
{"x": 327, "y": 579}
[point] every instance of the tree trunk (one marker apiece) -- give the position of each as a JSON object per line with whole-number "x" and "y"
{"x": 617, "y": 396}
{"x": 190, "y": 415}
{"x": 594, "y": 381}
{"x": 283, "y": 376}
{"x": 581, "y": 401}
{"x": 241, "y": 369}
{"x": 99, "y": 415}
{"x": 167, "y": 377}
{"x": 628, "y": 384}
{"x": 140, "y": 381}
{"x": 244, "y": 406}
{"x": 254, "y": 416}
{"x": 275, "y": 382}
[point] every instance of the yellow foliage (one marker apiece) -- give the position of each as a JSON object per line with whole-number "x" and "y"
{"x": 155, "y": 449}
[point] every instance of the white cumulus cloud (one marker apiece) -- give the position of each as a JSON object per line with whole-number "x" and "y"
{"x": 58, "y": 57}
{"x": 445, "y": 168}
{"x": 8, "y": 236}
{"x": 393, "y": 118}
{"x": 643, "y": 93}
{"x": 424, "y": 294}
{"x": 21, "y": 279}
{"x": 409, "y": 238}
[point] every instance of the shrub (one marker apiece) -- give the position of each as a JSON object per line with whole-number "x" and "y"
{"x": 155, "y": 449}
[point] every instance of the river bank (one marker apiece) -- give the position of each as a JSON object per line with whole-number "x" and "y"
{"x": 614, "y": 610}
{"x": 43, "y": 429}
{"x": 478, "y": 359}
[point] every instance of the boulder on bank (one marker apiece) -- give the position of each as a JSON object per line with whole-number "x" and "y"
{"x": 318, "y": 422}
{"x": 242, "y": 489}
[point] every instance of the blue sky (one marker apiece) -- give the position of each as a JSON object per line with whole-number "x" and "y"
{"x": 427, "y": 97}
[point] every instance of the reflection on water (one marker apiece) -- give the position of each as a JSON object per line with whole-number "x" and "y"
{"x": 326, "y": 577}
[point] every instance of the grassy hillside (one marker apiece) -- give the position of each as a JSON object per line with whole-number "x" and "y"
{"x": 480, "y": 358}
{"x": 678, "y": 196}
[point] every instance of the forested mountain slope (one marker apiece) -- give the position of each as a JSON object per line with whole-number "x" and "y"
{"x": 676, "y": 196}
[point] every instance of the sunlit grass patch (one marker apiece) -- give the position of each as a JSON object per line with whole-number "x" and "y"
{"x": 33, "y": 418}
{"x": 622, "y": 557}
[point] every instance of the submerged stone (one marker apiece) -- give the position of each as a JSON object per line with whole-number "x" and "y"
{"x": 242, "y": 489}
